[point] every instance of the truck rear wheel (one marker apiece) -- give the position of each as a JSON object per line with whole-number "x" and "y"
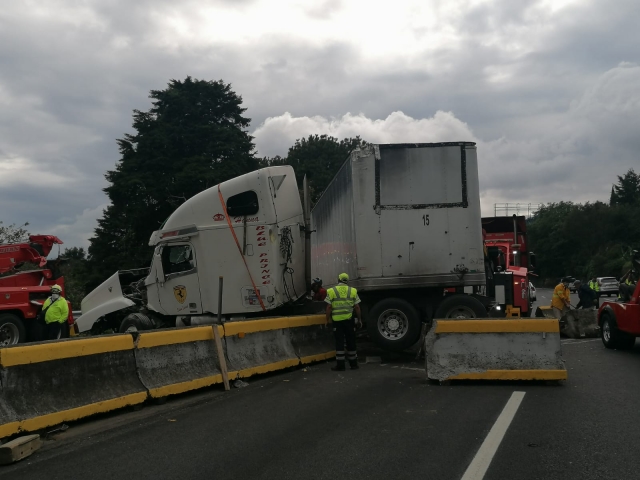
{"x": 612, "y": 337}
{"x": 394, "y": 324}
{"x": 135, "y": 322}
{"x": 12, "y": 330}
{"x": 460, "y": 306}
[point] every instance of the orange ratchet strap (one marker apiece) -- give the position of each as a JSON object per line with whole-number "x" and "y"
{"x": 226, "y": 215}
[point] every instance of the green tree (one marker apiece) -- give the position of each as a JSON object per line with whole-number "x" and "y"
{"x": 13, "y": 233}
{"x": 193, "y": 137}
{"x": 627, "y": 190}
{"x": 73, "y": 266}
{"x": 319, "y": 157}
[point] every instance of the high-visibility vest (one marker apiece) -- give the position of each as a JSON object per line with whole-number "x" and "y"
{"x": 343, "y": 298}
{"x": 57, "y": 311}
{"x": 594, "y": 286}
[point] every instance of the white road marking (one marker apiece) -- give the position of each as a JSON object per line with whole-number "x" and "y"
{"x": 480, "y": 463}
{"x": 575, "y": 340}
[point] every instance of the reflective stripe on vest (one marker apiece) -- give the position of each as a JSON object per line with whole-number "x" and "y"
{"x": 343, "y": 299}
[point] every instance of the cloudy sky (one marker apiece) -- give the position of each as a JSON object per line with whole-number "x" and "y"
{"x": 550, "y": 89}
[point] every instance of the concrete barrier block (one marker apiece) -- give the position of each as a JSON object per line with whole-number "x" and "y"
{"x": 53, "y": 382}
{"x": 494, "y": 350}
{"x": 313, "y": 343}
{"x": 545, "y": 312}
{"x": 580, "y": 323}
{"x": 258, "y": 352}
{"x": 175, "y": 361}
{"x": 19, "y": 448}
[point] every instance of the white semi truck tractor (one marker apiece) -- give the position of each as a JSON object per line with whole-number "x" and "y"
{"x": 403, "y": 220}
{"x": 248, "y": 230}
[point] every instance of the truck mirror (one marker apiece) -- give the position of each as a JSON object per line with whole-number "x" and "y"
{"x": 157, "y": 260}
{"x": 532, "y": 261}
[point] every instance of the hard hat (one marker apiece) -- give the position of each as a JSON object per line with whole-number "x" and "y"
{"x": 343, "y": 277}
{"x": 56, "y": 288}
{"x": 316, "y": 280}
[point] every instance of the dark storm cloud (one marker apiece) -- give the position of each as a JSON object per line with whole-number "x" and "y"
{"x": 541, "y": 92}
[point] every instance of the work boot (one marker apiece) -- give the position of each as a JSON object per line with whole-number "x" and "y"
{"x": 339, "y": 366}
{"x": 354, "y": 364}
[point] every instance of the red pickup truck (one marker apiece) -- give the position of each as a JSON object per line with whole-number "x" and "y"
{"x": 620, "y": 321}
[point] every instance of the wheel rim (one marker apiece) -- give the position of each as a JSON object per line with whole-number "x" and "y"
{"x": 460, "y": 311}
{"x": 606, "y": 331}
{"x": 9, "y": 334}
{"x": 393, "y": 324}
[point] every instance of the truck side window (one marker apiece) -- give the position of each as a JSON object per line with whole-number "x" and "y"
{"x": 177, "y": 258}
{"x": 245, "y": 203}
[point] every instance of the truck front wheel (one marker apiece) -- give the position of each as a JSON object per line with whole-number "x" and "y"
{"x": 612, "y": 337}
{"x": 135, "y": 322}
{"x": 12, "y": 330}
{"x": 460, "y": 306}
{"x": 394, "y": 324}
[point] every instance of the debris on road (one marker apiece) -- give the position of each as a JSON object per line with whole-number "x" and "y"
{"x": 240, "y": 384}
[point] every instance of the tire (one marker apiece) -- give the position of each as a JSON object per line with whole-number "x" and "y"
{"x": 12, "y": 330}
{"x": 394, "y": 324}
{"x": 460, "y": 306}
{"x": 612, "y": 337}
{"x": 135, "y": 322}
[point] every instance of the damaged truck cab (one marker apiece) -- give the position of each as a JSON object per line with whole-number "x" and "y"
{"x": 249, "y": 230}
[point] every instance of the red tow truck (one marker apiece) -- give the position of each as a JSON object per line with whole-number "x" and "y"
{"x": 620, "y": 321}
{"x": 505, "y": 239}
{"x": 22, "y": 293}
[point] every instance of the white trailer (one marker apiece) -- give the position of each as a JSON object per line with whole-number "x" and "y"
{"x": 403, "y": 220}
{"x": 249, "y": 230}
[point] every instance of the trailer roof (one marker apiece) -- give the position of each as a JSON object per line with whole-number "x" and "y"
{"x": 385, "y": 146}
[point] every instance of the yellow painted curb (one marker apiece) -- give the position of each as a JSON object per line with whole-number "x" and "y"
{"x": 266, "y": 324}
{"x": 45, "y": 352}
{"x": 50, "y": 419}
{"x": 318, "y": 358}
{"x": 513, "y": 375}
{"x": 498, "y": 326}
{"x": 270, "y": 367}
{"x": 185, "y": 386}
{"x": 178, "y": 335}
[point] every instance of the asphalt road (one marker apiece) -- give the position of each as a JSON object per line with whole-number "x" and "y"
{"x": 382, "y": 421}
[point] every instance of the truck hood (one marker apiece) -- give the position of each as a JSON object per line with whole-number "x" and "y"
{"x": 106, "y": 298}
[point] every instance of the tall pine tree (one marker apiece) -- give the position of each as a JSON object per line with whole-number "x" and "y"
{"x": 319, "y": 157}
{"x": 193, "y": 137}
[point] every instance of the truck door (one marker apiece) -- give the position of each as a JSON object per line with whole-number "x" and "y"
{"x": 179, "y": 294}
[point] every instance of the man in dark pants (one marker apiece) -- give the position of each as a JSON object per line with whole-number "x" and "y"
{"x": 54, "y": 313}
{"x": 587, "y": 296}
{"x": 342, "y": 301}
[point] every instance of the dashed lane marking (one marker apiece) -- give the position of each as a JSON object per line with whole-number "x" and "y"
{"x": 480, "y": 463}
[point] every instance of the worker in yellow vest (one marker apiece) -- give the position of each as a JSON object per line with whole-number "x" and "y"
{"x": 342, "y": 301}
{"x": 55, "y": 312}
{"x": 561, "y": 298}
{"x": 595, "y": 286}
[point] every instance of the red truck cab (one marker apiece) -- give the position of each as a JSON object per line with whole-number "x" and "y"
{"x": 22, "y": 293}
{"x": 620, "y": 321}
{"x": 507, "y": 249}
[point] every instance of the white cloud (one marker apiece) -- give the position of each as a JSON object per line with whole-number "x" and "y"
{"x": 75, "y": 232}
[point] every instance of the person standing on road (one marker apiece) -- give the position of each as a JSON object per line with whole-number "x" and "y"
{"x": 319, "y": 293}
{"x": 586, "y": 294}
{"x": 342, "y": 301}
{"x": 561, "y": 298}
{"x": 55, "y": 312}
{"x": 593, "y": 285}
